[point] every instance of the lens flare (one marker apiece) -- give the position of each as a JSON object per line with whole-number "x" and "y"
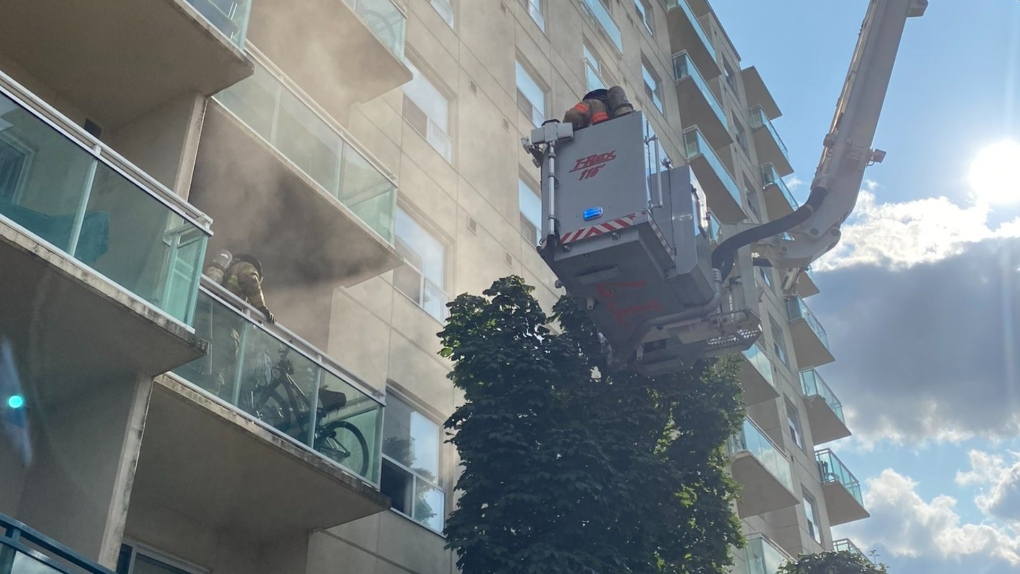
{"x": 16, "y": 401}
{"x": 995, "y": 173}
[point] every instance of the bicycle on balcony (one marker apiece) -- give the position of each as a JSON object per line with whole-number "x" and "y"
{"x": 280, "y": 402}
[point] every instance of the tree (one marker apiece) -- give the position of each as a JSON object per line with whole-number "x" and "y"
{"x": 832, "y": 563}
{"x": 568, "y": 468}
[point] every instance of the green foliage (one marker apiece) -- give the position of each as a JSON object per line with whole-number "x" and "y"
{"x": 832, "y": 563}
{"x": 570, "y": 469}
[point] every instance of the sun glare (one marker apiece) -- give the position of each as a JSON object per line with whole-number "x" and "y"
{"x": 995, "y": 173}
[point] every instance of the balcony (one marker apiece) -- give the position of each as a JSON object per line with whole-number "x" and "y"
{"x": 107, "y": 260}
{"x": 23, "y": 550}
{"x": 116, "y": 60}
{"x": 245, "y": 450}
{"x": 825, "y": 412}
{"x": 698, "y": 104}
{"x": 806, "y": 285}
{"x": 764, "y": 556}
{"x": 756, "y": 376}
{"x": 810, "y": 342}
{"x": 711, "y": 176}
{"x": 768, "y": 144}
{"x": 847, "y": 545}
{"x": 779, "y": 200}
{"x": 687, "y": 34}
{"x": 285, "y": 182}
{"x": 841, "y": 489}
{"x": 340, "y": 52}
{"x": 603, "y": 20}
{"x": 762, "y": 470}
{"x": 758, "y": 93}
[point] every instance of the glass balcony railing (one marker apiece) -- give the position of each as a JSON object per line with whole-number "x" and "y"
{"x": 26, "y": 551}
{"x": 227, "y": 16}
{"x": 74, "y": 193}
{"x": 386, "y": 20}
{"x": 760, "y": 120}
{"x": 695, "y": 145}
{"x": 761, "y": 362}
{"x": 833, "y": 470}
{"x": 764, "y": 556}
{"x": 797, "y": 309}
{"x": 684, "y": 67}
{"x": 713, "y": 228}
{"x": 813, "y": 385}
{"x": 316, "y": 146}
{"x": 269, "y": 373}
{"x": 698, "y": 29}
{"x": 752, "y": 439}
{"x": 770, "y": 176}
{"x": 847, "y": 545}
{"x": 598, "y": 11}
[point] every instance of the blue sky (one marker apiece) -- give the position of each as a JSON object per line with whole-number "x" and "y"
{"x": 921, "y": 297}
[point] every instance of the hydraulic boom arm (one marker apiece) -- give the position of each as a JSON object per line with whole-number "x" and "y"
{"x": 795, "y": 241}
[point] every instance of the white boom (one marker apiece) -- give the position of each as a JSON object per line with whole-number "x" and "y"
{"x": 847, "y": 147}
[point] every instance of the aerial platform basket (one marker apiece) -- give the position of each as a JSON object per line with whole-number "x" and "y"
{"x": 624, "y": 234}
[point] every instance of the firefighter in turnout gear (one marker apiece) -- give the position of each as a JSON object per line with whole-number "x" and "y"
{"x": 242, "y": 276}
{"x": 598, "y": 106}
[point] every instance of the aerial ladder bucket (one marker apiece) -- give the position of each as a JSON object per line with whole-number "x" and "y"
{"x": 624, "y": 234}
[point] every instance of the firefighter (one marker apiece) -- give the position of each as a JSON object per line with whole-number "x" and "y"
{"x": 598, "y": 106}
{"x": 241, "y": 275}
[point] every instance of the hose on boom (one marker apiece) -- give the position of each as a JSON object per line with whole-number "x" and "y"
{"x": 724, "y": 255}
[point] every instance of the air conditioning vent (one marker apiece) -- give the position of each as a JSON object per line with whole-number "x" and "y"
{"x": 472, "y": 226}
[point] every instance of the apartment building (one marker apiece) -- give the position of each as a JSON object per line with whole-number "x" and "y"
{"x": 368, "y": 153}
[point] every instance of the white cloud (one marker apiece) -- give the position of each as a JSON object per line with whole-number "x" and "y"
{"x": 903, "y": 525}
{"x": 1000, "y": 495}
{"x": 794, "y": 182}
{"x": 900, "y": 235}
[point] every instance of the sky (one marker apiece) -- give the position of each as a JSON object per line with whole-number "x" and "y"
{"x": 921, "y": 299}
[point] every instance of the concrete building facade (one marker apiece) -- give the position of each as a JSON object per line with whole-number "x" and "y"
{"x": 368, "y": 153}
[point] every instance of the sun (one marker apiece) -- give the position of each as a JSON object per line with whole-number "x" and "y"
{"x": 995, "y": 173}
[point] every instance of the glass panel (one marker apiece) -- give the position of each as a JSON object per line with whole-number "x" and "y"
{"x": 367, "y": 192}
{"x": 683, "y": 67}
{"x": 428, "y": 98}
{"x": 760, "y": 361}
{"x": 770, "y": 176}
{"x": 445, "y": 10}
{"x": 411, "y": 439}
{"x": 434, "y": 301}
{"x": 439, "y": 140}
{"x": 593, "y": 80}
{"x": 651, "y": 87}
{"x": 755, "y": 441}
{"x": 259, "y": 373}
{"x": 314, "y": 146}
{"x": 833, "y": 470}
{"x": 696, "y": 145}
{"x": 398, "y": 484}
{"x": 147, "y": 565}
{"x": 813, "y": 385}
{"x": 347, "y": 428}
{"x": 763, "y": 556}
{"x": 760, "y": 120}
{"x": 535, "y": 11}
{"x": 431, "y": 252}
{"x": 429, "y": 505}
{"x": 605, "y": 21}
{"x": 227, "y": 16}
{"x": 386, "y": 21}
{"x": 796, "y": 309}
{"x": 529, "y": 88}
{"x": 24, "y": 564}
{"x": 531, "y": 208}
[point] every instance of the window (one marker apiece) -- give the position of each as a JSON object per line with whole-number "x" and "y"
{"x": 15, "y": 159}
{"x": 534, "y": 8}
{"x": 741, "y": 134}
{"x": 411, "y": 462}
{"x": 135, "y": 559}
{"x": 793, "y": 421}
{"x": 531, "y": 211}
{"x": 778, "y": 342}
{"x": 752, "y": 198}
{"x": 428, "y": 112}
{"x": 645, "y": 13}
{"x": 530, "y": 96}
{"x": 653, "y": 89}
{"x": 445, "y": 9}
{"x": 766, "y": 275}
{"x": 731, "y": 77}
{"x": 811, "y": 513}
{"x": 422, "y": 277}
{"x": 593, "y": 71}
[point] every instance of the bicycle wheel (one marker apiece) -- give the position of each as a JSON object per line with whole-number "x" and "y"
{"x": 274, "y": 410}
{"x": 344, "y": 443}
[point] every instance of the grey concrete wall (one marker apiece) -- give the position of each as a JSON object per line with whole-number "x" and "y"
{"x": 78, "y": 488}
{"x": 164, "y": 142}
